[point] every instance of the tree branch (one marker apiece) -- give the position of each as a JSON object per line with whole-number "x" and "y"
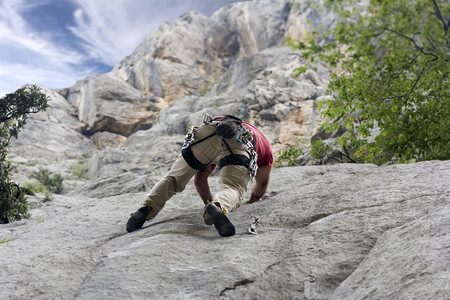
{"x": 18, "y": 114}
{"x": 375, "y": 34}
{"x": 412, "y": 41}
{"x": 346, "y": 154}
{"x": 431, "y": 43}
{"x": 420, "y": 75}
{"x": 390, "y": 81}
{"x": 440, "y": 16}
{"x": 339, "y": 161}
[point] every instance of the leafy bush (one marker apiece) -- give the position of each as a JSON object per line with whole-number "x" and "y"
{"x": 13, "y": 205}
{"x": 48, "y": 196}
{"x": 52, "y": 183}
{"x": 320, "y": 152}
{"x": 14, "y": 110}
{"x": 32, "y": 187}
{"x": 79, "y": 168}
{"x": 290, "y": 156}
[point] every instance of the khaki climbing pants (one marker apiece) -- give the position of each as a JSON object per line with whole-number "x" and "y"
{"x": 233, "y": 179}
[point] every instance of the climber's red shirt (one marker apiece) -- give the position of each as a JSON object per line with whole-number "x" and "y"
{"x": 262, "y": 146}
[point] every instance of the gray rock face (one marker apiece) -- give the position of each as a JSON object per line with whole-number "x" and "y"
{"x": 258, "y": 24}
{"x": 129, "y": 182}
{"x": 326, "y": 232}
{"x": 304, "y": 18}
{"x": 181, "y": 57}
{"x": 52, "y": 139}
{"x": 105, "y": 103}
{"x": 187, "y": 56}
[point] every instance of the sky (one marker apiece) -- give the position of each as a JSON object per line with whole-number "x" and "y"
{"x": 55, "y": 43}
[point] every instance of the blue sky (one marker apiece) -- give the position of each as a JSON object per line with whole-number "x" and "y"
{"x": 54, "y": 43}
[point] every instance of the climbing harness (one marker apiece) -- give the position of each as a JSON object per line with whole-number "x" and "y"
{"x": 188, "y": 155}
{"x": 244, "y": 136}
{"x": 234, "y": 159}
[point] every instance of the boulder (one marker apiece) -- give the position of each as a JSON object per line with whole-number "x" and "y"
{"x": 107, "y": 103}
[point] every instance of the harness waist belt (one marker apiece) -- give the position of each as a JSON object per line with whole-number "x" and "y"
{"x": 235, "y": 159}
{"x": 191, "y": 160}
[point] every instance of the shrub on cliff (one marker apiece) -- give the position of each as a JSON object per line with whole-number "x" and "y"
{"x": 14, "y": 110}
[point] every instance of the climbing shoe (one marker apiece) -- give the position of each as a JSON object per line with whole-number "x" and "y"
{"x": 220, "y": 221}
{"x": 207, "y": 218}
{"x": 137, "y": 219}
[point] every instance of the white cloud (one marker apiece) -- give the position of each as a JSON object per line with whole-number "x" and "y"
{"x": 111, "y": 30}
{"x": 37, "y": 59}
{"x": 13, "y": 76}
{"x": 16, "y": 34}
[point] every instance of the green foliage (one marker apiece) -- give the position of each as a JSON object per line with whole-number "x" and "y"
{"x": 13, "y": 204}
{"x": 14, "y": 110}
{"x": 395, "y": 77}
{"x": 48, "y": 196}
{"x": 32, "y": 187}
{"x": 5, "y": 240}
{"x": 52, "y": 183}
{"x": 290, "y": 156}
{"x": 299, "y": 71}
{"x": 320, "y": 151}
{"x": 15, "y": 107}
{"x": 79, "y": 168}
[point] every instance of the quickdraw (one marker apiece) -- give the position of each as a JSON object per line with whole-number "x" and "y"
{"x": 253, "y": 165}
{"x": 189, "y": 138}
{"x": 246, "y": 137}
{"x": 252, "y": 228}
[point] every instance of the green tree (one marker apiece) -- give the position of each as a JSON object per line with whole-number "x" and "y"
{"x": 394, "y": 79}
{"x": 14, "y": 110}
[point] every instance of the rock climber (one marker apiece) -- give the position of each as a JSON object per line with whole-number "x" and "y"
{"x": 238, "y": 147}
{"x": 264, "y": 161}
